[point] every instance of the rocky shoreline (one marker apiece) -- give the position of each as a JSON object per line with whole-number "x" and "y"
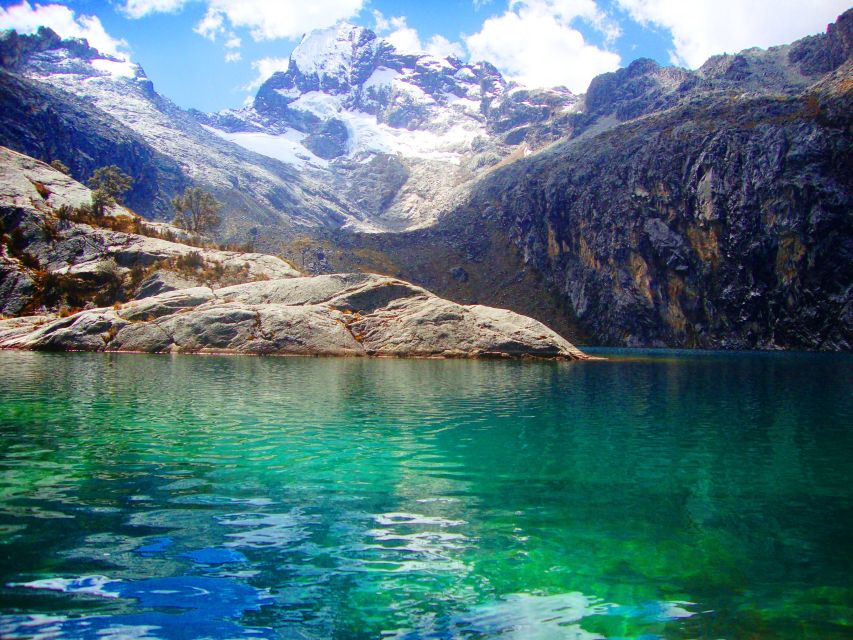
{"x": 337, "y": 315}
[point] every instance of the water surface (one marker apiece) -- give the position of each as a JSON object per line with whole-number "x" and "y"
{"x": 656, "y": 495}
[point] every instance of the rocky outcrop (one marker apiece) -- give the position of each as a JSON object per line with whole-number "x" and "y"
{"x": 48, "y": 259}
{"x": 341, "y": 315}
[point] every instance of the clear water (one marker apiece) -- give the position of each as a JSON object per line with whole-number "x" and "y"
{"x": 656, "y": 495}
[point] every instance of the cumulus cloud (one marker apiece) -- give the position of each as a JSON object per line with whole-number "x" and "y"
{"x": 444, "y": 48}
{"x": 26, "y": 18}
{"x": 265, "y": 19}
{"x": 702, "y": 28}
{"x": 406, "y": 39}
{"x": 536, "y": 43}
{"x": 140, "y": 8}
{"x": 211, "y": 25}
{"x": 265, "y": 67}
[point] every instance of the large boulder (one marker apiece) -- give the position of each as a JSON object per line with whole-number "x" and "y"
{"x": 340, "y": 314}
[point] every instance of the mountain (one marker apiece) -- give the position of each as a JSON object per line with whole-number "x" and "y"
{"x": 355, "y": 135}
{"x": 389, "y": 129}
{"x": 707, "y": 208}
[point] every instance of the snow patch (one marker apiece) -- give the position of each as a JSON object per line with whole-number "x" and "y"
{"x": 292, "y": 92}
{"x": 115, "y": 68}
{"x": 367, "y": 135}
{"x": 320, "y": 104}
{"x": 465, "y": 103}
{"x": 434, "y": 62}
{"x": 327, "y": 52}
{"x": 465, "y": 75}
{"x": 381, "y": 77}
{"x": 286, "y": 147}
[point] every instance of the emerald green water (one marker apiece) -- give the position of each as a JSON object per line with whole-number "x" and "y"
{"x": 655, "y": 495}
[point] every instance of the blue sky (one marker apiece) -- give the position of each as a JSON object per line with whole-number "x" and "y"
{"x": 211, "y": 54}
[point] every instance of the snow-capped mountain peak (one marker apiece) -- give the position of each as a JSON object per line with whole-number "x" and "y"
{"x": 332, "y": 55}
{"x": 349, "y": 98}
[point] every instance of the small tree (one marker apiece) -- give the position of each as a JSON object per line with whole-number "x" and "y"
{"x": 196, "y": 211}
{"x": 108, "y": 184}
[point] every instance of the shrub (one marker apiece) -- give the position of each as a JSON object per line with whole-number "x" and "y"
{"x": 108, "y": 185}
{"x": 189, "y": 261}
{"x": 196, "y": 211}
{"x": 28, "y": 260}
{"x": 51, "y": 231}
{"x": 60, "y": 166}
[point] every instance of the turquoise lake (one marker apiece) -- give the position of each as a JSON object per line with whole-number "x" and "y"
{"x": 657, "y": 494}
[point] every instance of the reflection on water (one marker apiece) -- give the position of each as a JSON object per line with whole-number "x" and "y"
{"x": 662, "y": 496}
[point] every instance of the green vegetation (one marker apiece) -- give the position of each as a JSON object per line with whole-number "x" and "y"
{"x": 60, "y": 166}
{"x": 108, "y": 185}
{"x": 196, "y": 211}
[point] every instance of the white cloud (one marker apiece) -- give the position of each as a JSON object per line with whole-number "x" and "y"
{"x": 140, "y": 8}
{"x": 265, "y": 68}
{"x": 233, "y": 56}
{"x": 702, "y": 28}
{"x": 265, "y": 19}
{"x": 25, "y": 18}
{"x": 273, "y": 19}
{"x": 406, "y": 39}
{"x": 534, "y": 42}
{"x": 444, "y": 48}
{"x": 210, "y": 25}
{"x": 233, "y": 42}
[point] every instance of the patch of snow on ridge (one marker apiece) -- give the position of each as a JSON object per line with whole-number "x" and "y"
{"x": 286, "y": 147}
{"x": 385, "y": 77}
{"x": 465, "y": 103}
{"x": 115, "y": 68}
{"x": 367, "y": 135}
{"x": 381, "y": 77}
{"x": 320, "y": 104}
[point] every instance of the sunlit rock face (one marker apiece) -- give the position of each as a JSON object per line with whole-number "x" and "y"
{"x": 342, "y": 314}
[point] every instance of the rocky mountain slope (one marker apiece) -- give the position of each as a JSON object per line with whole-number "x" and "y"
{"x": 720, "y": 224}
{"x": 355, "y": 135}
{"x": 82, "y": 107}
{"x": 140, "y": 291}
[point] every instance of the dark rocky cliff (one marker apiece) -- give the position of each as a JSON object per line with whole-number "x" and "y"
{"x": 723, "y": 223}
